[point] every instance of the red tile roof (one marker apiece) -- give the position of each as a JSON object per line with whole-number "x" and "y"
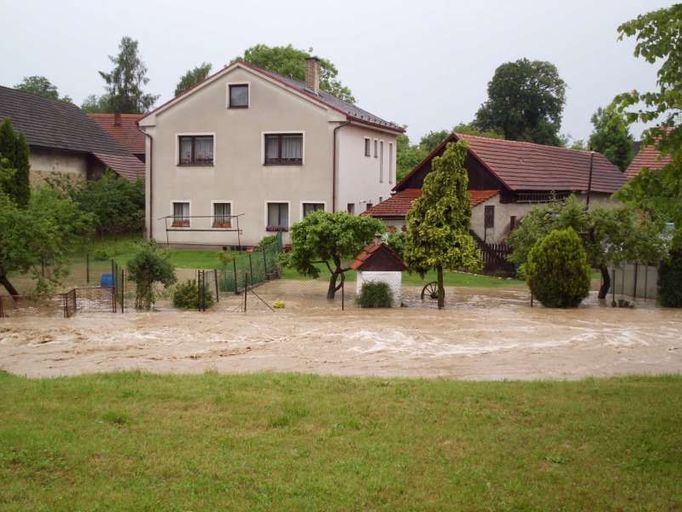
{"x": 126, "y": 133}
{"x": 649, "y": 157}
{"x": 400, "y": 203}
{"x": 391, "y": 260}
{"x": 128, "y": 166}
{"x": 528, "y": 166}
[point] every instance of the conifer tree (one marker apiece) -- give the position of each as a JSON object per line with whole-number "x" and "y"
{"x": 438, "y": 223}
{"x": 15, "y": 152}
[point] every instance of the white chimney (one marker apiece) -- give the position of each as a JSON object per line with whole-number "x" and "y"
{"x": 312, "y": 74}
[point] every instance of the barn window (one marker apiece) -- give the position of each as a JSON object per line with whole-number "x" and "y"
{"x": 489, "y": 217}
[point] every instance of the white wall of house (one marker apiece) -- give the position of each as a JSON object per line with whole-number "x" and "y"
{"x": 46, "y": 161}
{"x": 239, "y": 175}
{"x": 393, "y": 279}
{"x": 362, "y": 179}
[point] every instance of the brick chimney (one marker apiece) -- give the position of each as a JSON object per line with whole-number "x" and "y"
{"x": 312, "y": 74}
{"x": 117, "y": 119}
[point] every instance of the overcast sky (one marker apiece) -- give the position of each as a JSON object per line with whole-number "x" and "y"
{"x": 422, "y": 63}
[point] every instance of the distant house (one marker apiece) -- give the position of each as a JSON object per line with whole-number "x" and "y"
{"x": 63, "y": 139}
{"x": 647, "y": 157}
{"x": 251, "y": 143}
{"x": 507, "y": 179}
{"x": 123, "y": 128}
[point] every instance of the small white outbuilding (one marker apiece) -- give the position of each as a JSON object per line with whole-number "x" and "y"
{"x": 379, "y": 263}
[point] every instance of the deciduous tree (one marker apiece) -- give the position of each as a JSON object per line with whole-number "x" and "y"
{"x": 438, "y": 223}
{"x": 192, "y": 78}
{"x": 525, "y": 102}
{"x": 41, "y": 86}
{"x": 290, "y": 62}
{"x": 330, "y": 239}
{"x": 14, "y": 149}
{"x": 611, "y": 136}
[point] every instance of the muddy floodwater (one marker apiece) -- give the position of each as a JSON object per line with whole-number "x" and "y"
{"x": 483, "y": 334}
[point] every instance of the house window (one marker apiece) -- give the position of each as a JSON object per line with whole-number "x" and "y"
{"x": 390, "y": 162}
{"x": 278, "y": 217}
{"x": 180, "y": 215}
{"x": 350, "y": 207}
{"x": 309, "y": 208}
{"x": 512, "y": 223}
{"x": 284, "y": 149}
{"x": 368, "y": 151}
{"x": 368, "y": 206}
{"x": 489, "y": 217}
{"x": 381, "y": 162}
{"x": 238, "y": 96}
{"x": 376, "y": 148}
{"x": 196, "y": 150}
{"x": 222, "y": 215}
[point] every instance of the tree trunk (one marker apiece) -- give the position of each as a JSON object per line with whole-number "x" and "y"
{"x": 606, "y": 282}
{"x": 8, "y": 286}
{"x": 331, "y": 291}
{"x": 441, "y": 288}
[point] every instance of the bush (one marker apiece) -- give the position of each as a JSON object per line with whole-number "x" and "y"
{"x": 670, "y": 280}
{"x": 148, "y": 266}
{"x": 557, "y": 270}
{"x": 186, "y": 296}
{"x": 375, "y": 295}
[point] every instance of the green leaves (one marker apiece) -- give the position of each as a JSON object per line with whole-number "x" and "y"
{"x": 192, "y": 78}
{"x": 557, "y": 270}
{"x": 149, "y": 265}
{"x": 438, "y": 223}
{"x": 611, "y": 136}
{"x": 14, "y": 154}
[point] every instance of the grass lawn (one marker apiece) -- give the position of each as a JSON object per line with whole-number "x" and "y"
{"x": 133, "y": 441}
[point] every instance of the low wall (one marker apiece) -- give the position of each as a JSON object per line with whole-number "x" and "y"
{"x": 393, "y": 279}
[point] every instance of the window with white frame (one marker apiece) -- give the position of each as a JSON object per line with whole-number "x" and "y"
{"x": 195, "y": 150}
{"x": 381, "y": 162}
{"x": 278, "y": 217}
{"x": 238, "y": 96}
{"x": 390, "y": 162}
{"x": 283, "y": 149}
{"x": 222, "y": 215}
{"x": 180, "y": 214}
{"x": 376, "y": 148}
{"x": 350, "y": 208}
{"x": 309, "y": 208}
{"x": 368, "y": 144}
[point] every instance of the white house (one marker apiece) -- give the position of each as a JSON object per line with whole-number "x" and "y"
{"x": 247, "y": 153}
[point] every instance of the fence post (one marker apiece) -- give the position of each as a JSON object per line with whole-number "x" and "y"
{"x": 123, "y": 290}
{"x": 251, "y": 267}
{"x": 217, "y": 290}
{"x": 634, "y": 283}
{"x": 87, "y": 267}
{"x": 613, "y": 287}
{"x": 246, "y": 289}
{"x": 234, "y": 274}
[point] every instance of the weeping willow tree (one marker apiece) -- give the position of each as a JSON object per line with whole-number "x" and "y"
{"x": 438, "y": 223}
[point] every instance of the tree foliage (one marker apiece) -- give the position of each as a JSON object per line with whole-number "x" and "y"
{"x": 610, "y": 236}
{"x": 39, "y": 238}
{"x": 123, "y": 83}
{"x": 330, "y": 239}
{"x": 375, "y": 294}
{"x": 15, "y": 152}
{"x": 149, "y": 265}
{"x": 611, "y": 136}
{"x": 41, "y": 86}
{"x": 186, "y": 296}
{"x": 290, "y": 62}
{"x": 557, "y": 271}
{"x": 670, "y": 280}
{"x": 192, "y": 78}
{"x": 437, "y": 235}
{"x": 525, "y": 102}
{"x": 659, "y": 38}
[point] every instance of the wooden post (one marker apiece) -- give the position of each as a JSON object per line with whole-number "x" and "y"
{"x": 343, "y": 295}
{"x": 87, "y": 267}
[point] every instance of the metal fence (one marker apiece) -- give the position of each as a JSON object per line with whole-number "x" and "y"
{"x": 634, "y": 280}
{"x": 250, "y": 268}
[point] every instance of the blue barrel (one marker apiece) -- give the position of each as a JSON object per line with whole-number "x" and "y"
{"x": 106, "y": 280}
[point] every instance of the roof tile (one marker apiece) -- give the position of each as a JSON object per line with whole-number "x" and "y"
{"x": 400, "y": 203}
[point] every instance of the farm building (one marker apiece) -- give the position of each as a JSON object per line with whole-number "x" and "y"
{"x": 379, "y": 263}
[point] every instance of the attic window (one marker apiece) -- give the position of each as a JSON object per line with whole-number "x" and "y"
{"x": 238, "y": 96}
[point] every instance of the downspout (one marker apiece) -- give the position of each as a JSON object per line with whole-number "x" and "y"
{"x": 151, "y": 188}
{"x": 334, "y": 166}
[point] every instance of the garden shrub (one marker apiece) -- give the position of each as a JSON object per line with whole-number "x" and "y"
{"x": 557, "y": 270}
{"x": 186, "y": 295}
{"x": 375, "y": 295}
{"x": 670, "y": 280}
{"x": 149, "y": 265}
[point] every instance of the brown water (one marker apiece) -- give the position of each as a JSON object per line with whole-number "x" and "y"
{"x": 483, "y": 334}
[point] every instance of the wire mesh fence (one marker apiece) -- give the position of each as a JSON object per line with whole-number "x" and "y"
{"x": 250, "y": 268}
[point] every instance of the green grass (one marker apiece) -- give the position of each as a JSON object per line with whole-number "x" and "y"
{"x": 133, "y": 441}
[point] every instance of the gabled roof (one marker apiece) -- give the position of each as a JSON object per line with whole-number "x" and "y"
{"x": 400, "y": 203}
{"x": 378, "y": 256}
{"x": 352, "y": 112}
{"x": 535, "y": 167}
{"x": 56, "y": 124}
{"x": 650, "y": 157}
{"x": 124, "y": 130}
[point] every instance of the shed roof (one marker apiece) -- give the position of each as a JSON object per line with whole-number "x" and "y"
{"x": 400, "y": 203}
{"x": 378, "y": 256}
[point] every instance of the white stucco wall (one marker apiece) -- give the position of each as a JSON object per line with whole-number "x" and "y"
{"x": 364, "y": 179}
{"x": 239, "y": 175}
{"x": 393, "y": 279}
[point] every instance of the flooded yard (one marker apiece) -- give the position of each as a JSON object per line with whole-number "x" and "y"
{"x": 482, "y": 334}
